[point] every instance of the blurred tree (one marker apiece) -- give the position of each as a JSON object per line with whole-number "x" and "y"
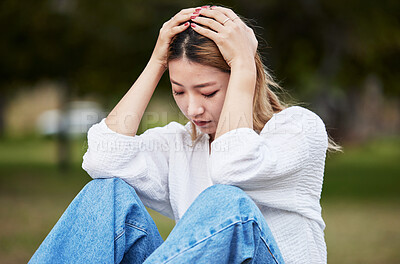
{"x": 323, "y": 51}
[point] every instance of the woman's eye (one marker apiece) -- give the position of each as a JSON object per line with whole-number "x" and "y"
{"x": 177, "y": 93}
{"x": 210, "y": 95}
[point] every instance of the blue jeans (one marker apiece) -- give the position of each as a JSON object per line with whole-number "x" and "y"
{"x": 107, "y": 223}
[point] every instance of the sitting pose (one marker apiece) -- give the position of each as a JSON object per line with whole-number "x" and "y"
{"x": 242, "y": 178}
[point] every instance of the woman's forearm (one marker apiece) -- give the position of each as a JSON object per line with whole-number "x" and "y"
{"x": 126, "y": 115}
{"x": 238, "y": 105}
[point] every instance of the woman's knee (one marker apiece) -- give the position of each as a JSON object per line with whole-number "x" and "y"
{"x": 227, "y": 199}
{"x": 101, "y": 184}
{"x": 107, "y": 187}
{"x": 114, "y": 194}
{"x": 223, "y": 188}
{"x": 221, "y": 193}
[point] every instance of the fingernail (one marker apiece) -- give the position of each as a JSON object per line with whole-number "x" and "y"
{"x": 193, "y": 17}
{"x": 197, "y": 9}
{"x": 196, "y": 12}
{"x": 205, "y": 6}
{"x": 187, "y": 23}
{"x": 213, "y": 7}
{"x": 193, "y": 25}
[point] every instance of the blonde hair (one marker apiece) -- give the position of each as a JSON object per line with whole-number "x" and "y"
{"x": 199, "y": 49}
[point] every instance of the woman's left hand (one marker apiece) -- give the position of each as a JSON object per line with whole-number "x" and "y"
{"x": 235, "y": 40}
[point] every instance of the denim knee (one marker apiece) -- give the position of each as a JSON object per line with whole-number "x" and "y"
{"x": 221, "y": 193}
{"x": 97, "y": 186}
{"x": 229, "y": 201}
{"x": 106, "y": 181}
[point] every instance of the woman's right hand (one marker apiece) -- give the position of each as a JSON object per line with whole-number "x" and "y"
{"x": 168, "y": 31}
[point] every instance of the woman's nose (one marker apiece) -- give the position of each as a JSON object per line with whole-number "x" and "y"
{"x": 195, "y": 109}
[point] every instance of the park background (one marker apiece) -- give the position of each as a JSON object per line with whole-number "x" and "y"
{"x": 65, "y": 63}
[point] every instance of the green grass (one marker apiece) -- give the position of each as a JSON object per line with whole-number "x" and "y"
{"x": 362, "y": 232}
{"x": 367, "y": 172}
{"x": 360, "y": 199}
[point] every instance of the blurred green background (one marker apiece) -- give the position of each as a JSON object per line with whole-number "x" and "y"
{"x": 65, "y": 64}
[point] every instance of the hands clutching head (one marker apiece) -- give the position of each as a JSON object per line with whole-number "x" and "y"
{"x": 235, "y": 40}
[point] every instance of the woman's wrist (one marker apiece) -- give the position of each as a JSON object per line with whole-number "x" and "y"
{"x": 246, "y": 71}
{"x": 246, "y": 65}
{"x": 157, "y": 65}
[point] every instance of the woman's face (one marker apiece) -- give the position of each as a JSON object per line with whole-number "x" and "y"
{"x": 199, "y": 92}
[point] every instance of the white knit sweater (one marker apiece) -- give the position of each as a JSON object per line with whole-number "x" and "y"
{"x": 281, "y": 169}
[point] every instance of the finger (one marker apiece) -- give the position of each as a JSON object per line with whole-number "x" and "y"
{"x": 211, "y": 23}
{"x": 215, "y": 14}
{"x": 178, "y": 29}
{"x": 205, "y": 32}
{"x": 188, "y": 11}
{"x": 228, "y": 12}
{"x": 183, "y": 16}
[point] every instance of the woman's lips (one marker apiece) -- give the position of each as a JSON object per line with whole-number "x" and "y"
{"x": 201, "y": 123}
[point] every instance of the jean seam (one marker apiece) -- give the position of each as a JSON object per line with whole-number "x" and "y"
{"x": 131, "y": 225}
{"x": 219, "y": 231}
{"x": 265, "y": 242}
{"x": 137, "y": 227}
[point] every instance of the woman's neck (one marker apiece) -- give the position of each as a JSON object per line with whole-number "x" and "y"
{"x": 212, "y": 136}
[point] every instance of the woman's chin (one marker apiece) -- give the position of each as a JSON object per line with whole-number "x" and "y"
{"x": 207, "y": 129}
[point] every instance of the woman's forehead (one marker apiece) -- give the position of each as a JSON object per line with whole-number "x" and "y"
{"x": 183, "y": 70}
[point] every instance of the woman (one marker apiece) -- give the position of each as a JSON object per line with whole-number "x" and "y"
{"x": 242, "y": 178}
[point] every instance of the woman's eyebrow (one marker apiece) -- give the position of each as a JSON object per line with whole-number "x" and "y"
{"x": 204, "y": 84}
{"x": 197, "y": 85}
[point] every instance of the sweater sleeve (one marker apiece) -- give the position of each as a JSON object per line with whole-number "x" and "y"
{"x": 266, "y": 165}
{"x": 141, "y": 161}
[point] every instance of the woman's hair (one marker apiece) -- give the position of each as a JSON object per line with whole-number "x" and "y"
{"x": 200, "y": 49}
